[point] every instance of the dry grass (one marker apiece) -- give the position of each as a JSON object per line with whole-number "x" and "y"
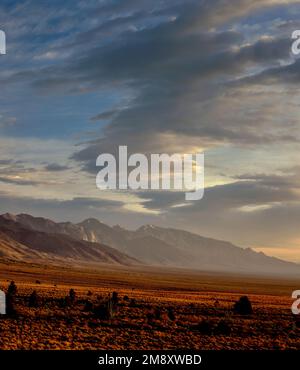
{"x": 161, "y": 310}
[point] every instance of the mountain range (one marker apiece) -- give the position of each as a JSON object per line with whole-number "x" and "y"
{"x": 27, "y": 238}
{"x": 26, "y": 244}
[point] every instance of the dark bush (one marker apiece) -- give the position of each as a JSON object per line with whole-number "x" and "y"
{"x": 10, "y": 305}
{"x": 243, "y": 306}
{"x": 65, "y": 302}
{"x": 132, "y": 303}
{"x": 157, "y": 314}
{"x": 205, "y": 327}
{"x": 88, "y": 307}
{"x": 171, "y": 314}
{"x": 150, "y": 317}
{"x": 104, "y": 311}
{"x": 12, "y": 289}
{"x": 115, "y": 298}
{"x": 11, "y": 299}
{"x": 297, "y": 321}
{"x": 34, "y": 300}
{"x": 72, "y": 295}
{"x": 223, "y": 328}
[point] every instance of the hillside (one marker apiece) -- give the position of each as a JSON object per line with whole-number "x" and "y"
{"x": 149, "y": 244}
{"x": 26, "y": 244}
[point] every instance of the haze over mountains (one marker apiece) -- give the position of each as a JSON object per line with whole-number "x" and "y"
{"x": 27, "y": 238}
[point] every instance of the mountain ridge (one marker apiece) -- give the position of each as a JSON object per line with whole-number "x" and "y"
{"x": 33, "y": 244}
{"x": 158, "y": 246}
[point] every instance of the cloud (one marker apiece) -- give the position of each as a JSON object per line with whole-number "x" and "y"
{"x": 176, "y": 70}
{"x": 74, "y": 209}
{"x": 5, "y": 162}
{"x": 17, "y": 180}
{"x": 55, "y": 167}
{"x": 104, "y": 115}
{"x": 255, "y": 190}
{"x": 7, "y": 121}
{"x": 252, "y": 211}
{"x": 158, "y": 76}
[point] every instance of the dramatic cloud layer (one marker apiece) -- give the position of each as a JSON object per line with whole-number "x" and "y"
{"x": 82, "y": 78}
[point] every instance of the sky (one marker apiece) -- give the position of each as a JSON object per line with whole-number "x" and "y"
{"x": 81, "y": 78}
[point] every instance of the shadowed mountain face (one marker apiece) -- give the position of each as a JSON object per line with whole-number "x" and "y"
{"x": 23, "y": 243}
{"x": 149, "y": 244}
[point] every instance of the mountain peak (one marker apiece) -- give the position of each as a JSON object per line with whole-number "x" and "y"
{"x": 147, "y": 227}
{"x": 118, "y": 228}
{"x": 91, "y": 221}
{"x": 9, "y": 216}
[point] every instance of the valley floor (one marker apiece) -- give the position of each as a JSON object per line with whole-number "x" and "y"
{"x": 157, "y": 309}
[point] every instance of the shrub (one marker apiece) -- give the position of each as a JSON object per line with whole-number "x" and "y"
{"x": 223, "y": 328}
{"x": 150, "y": 317}
{"x": 115, "y": 299}
{"x": 104, "y": 311}
{"x": 89, "y": 306}
{"x": 297, "y": 321}
{"x": 171, "y": 314}
{"x": 12, "y": 289}
{"x": 132, "y": 303}
{"x": 205, "y": 327}
{"x": 65, "y": 302}
{"x": 157, "y": 314}
{"x": 34, "y": 300}
{"x": 72, "y": 295}
{"x": 10, "y": 305}
{"x": 243, "y": 306}
{"x": 11, "y": 299}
